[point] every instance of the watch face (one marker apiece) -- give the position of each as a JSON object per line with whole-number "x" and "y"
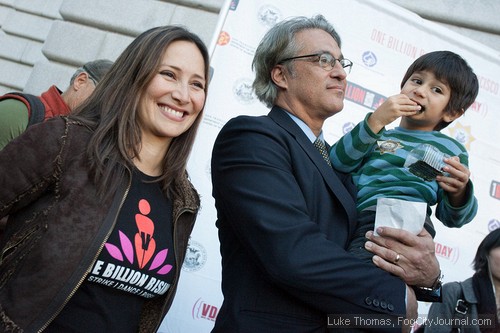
{"x": 439, "y": 281}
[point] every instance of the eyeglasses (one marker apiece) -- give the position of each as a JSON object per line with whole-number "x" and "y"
{"x": 92, "y": 79}
{"x": 90, "y": 74}
{"x": 326, "y": 61}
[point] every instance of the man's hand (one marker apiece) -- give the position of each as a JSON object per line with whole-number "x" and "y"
{"x": 411, "y": 257}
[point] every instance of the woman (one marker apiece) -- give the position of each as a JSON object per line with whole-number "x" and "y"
{"x": 476, "y": 297}
{"x": 99, "y": 203}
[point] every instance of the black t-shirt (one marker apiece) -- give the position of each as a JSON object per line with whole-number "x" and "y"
{"x": 136, "y": 263}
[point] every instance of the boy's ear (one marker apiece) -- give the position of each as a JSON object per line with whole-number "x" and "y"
{"x": 452, "y": 115}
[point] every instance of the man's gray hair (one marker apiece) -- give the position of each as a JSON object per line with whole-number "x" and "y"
{"x": 95, "y": 70}
{"x": 277, "y": 44}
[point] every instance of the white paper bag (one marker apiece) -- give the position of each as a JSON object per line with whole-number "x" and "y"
{"x": 401, "y": 214}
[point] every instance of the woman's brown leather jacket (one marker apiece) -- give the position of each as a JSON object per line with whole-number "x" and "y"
{"x": 57, "y": 225}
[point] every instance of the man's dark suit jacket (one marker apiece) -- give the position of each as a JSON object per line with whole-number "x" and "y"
{"x": 284, "y": 219}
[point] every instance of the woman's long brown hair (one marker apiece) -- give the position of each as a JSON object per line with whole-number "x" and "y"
{"x": 111, "y": 111}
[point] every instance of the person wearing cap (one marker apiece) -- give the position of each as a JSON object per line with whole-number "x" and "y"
{"x": 14, "y": 111}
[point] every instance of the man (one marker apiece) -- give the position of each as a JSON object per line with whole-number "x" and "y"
{"x": 15, "y": 111}
{"x": 285, "y": 217}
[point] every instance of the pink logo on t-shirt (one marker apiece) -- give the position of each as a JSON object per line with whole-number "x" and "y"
{"x": 145, "y": 244}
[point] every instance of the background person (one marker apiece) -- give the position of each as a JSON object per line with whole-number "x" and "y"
{"x": 95, "y": 240}
{"x": 15, "y": 111}
{"x": 480, "y": 295}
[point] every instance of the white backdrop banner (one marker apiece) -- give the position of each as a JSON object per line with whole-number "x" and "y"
{"x": 382, "y": 40}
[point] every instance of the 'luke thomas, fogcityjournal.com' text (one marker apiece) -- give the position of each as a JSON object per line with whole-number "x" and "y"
{"x": 374, "y": 321}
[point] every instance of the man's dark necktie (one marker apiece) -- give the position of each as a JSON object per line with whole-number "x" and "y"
{"x": 320, "y": 145}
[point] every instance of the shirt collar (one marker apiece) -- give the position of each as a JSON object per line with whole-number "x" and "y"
{"x": 303, "y": 126}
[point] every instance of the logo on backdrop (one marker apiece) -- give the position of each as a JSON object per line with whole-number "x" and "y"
{"x": 224, "y": 38}
{"x": 234, "y": 4}
{"x": 242, "y": 90}
{"x": 462, "y": 134}
{"x": 203, "y": 310}
{"x": 347, "y": 127}
{"x": 269, "y": 15}
{"x": 196, "y": 257}
{"x": 394, "y": 43}
{"x": 493, "y": 224}
{"x": 489, "y": 85}
{"x": 481, "y": 108}
{"x": 447, "y": 252}
{"x": 495, "y": 189}
{"x": 369, "y": 59}
{"x": 362, "y": 96}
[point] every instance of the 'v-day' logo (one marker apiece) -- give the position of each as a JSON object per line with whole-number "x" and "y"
{"x": 202, "y": 310}
{"x": 138, "y": 254}
{"x": 447, "y": 252}
{"x": 145, "y": 244}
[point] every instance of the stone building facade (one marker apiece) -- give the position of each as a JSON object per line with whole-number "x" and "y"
{"x": 42, "y": 42}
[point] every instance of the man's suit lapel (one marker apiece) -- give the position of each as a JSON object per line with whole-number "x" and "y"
{"x": 337, "y": 187}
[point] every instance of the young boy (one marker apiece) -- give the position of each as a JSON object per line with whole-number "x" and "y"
{"x": 436, "y": 89}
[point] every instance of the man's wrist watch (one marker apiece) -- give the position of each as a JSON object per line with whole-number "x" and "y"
{"x": 430, "y": 294}
{"x": 437, "y": 283}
